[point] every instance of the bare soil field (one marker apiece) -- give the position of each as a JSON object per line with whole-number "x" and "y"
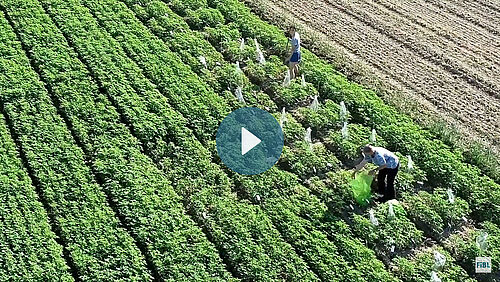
{"x": 443, "y": 56}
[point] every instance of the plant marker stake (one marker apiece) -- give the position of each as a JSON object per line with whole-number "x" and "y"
{"x": 373, "y": 219}
{"x": 393, "y": 248}
{"x": 260, "y": 55}
{"x": 482, "y": 241}
{"x": 242, "y": 44}
{"x": 238, "y": 69}
{"x": 308, "y": 137}
{"x": 345, "y": 132}
{"x": 410, "y": 163}
{"x": 343, "y": 112}
{"x": 434, "y": 277}
{"x": 451, "y": 197}
{"x": 283, "y": 117}
{"x": 239, "y": 95}
{"x": 315, "y": 104}
{"x": 391, "y": 214}
{"x": 439, "y": 260}
{"x": 257, "y": 198}
{"x": 203, "y": 61}
{"x": 373, "y": 137}
{"x": 286, "y": 81}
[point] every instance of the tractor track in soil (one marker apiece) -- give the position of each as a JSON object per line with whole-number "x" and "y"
{"x": 453, "y": 96}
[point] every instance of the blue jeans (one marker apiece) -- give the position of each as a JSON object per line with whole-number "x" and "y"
{"x": 295, "y": 57}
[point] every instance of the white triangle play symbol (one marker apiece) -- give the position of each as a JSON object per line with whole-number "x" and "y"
{"x": 248, "y": 141}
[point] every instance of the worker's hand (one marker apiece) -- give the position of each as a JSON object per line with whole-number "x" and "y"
{"x": 372, "y": 172}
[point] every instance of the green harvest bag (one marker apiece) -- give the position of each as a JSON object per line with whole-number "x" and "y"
{"x": 361, "y": 187}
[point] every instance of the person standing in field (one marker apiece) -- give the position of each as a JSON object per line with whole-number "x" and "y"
{"x": 388, "y": 167}
{"x": 295, "y": 57}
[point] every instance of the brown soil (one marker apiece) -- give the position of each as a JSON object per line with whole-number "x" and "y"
{"x": 441, "y": 56}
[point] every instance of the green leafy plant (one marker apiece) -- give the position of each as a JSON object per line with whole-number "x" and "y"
{"x": 419, "y": 266}
{"x": 464, "y": 247}
{"x": 397, "y": 231}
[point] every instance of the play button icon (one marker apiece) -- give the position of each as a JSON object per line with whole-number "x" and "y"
{"x": 249, "y": 141}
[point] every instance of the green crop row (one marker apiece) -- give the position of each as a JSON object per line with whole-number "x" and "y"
{"x": 322, "y": 119}
{"x": 243, "y": 235}
{"x": 348, "y": 149}
{"x": 201, "y": 107}
{"x": 395, "y": 234}
{"x": 465, "y": 248}
{"x": 310, "y": 247}
{"x": 418, "y": 267}
{"x": 28, "y": 245}
{"x": 220, "y": 76}
{"x": 298, "y": 155}
{"x": 191, "y": 45}
{"x": 326, "y": 117}
{"x": 99, "y": 248}
{"x": 315, "y": 260}
{"x": 396, "y": 231}
{"x": 172, "y": 35}
{"x": 432, "y": 212}
{"x": 154, "y": 10}
{"x": 176, "y": 34}
{"x": 445, "y": 167}
{"x": 290, "y": 203}
{"x": 143, "y": 196}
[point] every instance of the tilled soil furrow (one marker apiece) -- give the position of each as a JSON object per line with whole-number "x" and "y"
{"x": 454, "y": 28}
{"x": 444, "y": 90}
{"x": 466, "y": 14}
{"x": 487, "y": 13}
{"x": 470, "y": 68}
{"x": 394, "y": 91}
{"x": 455, "y": 43}
{"x": 495, "y": 6}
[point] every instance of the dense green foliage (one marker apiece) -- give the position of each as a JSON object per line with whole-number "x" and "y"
{"x": 134, "y": 91}
{"x": 419, "y": 266}
{"x": 446, "y": 167}
{"x": 27, "y": 242}
{"x": 221, "y": 216}
{"x": 98, "y": 246}
{"x": 142, "y": 195}
{"x": 465, "y": 248}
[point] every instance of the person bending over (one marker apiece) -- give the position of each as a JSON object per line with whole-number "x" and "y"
{"x": 388, "y": 167}
{"x": 295, "y": 57}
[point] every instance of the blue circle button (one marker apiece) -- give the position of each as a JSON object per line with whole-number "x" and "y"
{"x": 249, "y": 141}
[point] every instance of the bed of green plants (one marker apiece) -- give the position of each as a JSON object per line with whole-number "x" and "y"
{"x": 28, "y": 244}
{"x": 76, "y": 203}
{"x": 263, "y": 77}
{"x": 137, "y": 88}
